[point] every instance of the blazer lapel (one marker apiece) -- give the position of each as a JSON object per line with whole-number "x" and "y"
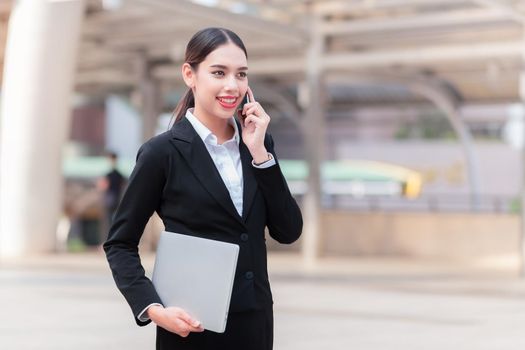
{"x": 192, "y": 148}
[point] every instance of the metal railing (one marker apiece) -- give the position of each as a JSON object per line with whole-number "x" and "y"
{"x": 424, "y": 203}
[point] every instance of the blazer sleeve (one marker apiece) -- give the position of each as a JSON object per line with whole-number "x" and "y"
{"x": 284, "y": 218}
{"x": 141, "y": 198}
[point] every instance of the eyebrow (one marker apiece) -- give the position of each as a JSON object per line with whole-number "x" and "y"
{"x": 225, "y": 67}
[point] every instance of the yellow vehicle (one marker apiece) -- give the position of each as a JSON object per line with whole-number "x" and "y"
{"x": 358, "y": 178}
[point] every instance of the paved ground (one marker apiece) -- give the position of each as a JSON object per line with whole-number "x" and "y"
{"x": 70, "y": 302}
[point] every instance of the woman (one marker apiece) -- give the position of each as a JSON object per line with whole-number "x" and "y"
{"x": 214, "y": 177}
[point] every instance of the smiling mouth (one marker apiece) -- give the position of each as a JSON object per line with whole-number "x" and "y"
{"x": 227, "y": 102}
{"x": 227, "y": 99}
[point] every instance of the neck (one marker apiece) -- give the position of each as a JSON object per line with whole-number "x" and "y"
{"x": 218, "y": 126}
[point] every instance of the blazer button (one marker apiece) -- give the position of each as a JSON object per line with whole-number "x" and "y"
{"x": 244, "y": 237}
{"x": 248, "y": 275}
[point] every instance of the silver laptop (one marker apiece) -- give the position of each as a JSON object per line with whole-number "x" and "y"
{"x": 196, "y": 274}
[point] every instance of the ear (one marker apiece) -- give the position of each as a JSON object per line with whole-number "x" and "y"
{"x": 188, "y": 75}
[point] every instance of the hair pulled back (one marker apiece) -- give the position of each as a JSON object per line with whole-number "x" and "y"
{"x": 200, "y": 45}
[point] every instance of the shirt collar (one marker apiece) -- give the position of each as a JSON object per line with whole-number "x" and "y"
{"x": 205, "y": 133}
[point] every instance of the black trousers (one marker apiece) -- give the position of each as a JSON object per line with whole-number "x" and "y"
{"x": 250, "y": 330}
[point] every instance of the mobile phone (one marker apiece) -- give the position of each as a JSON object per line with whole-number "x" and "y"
{"x": 245, "y": 100}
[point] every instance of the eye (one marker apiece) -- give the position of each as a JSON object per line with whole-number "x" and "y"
{"x": 218, "y": 73}
{"x": 243, "y": 74}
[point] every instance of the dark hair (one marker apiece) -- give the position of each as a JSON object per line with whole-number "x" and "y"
{"x": 200, "y": 45}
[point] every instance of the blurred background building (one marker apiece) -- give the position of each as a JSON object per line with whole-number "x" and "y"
{"x": 399, "y": 122}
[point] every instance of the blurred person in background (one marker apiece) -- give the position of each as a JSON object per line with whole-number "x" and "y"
{"x": 112, "y": 185}
{"x": 211, "y": 176}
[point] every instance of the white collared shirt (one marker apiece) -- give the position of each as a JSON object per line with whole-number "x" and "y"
{"x": 227, "y": 159}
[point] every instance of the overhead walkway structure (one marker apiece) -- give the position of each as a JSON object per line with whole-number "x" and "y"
{"x": 443, "y": 52}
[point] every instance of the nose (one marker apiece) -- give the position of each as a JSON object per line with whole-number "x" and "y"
{"x": 231, "y": 83}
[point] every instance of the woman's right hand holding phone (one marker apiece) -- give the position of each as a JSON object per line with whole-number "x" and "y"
{"x": 254, "y": 127}
{"x": 174, "y": 319}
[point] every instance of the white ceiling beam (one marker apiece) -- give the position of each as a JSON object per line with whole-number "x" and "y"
{"x": 415, "y": 57}
{"x": 160, "y": 25}
{"x": 180, "y": 38}
{"x": 128, "y": 12}
{"x": 479, "y": 78}
{"x": 423, "y": 55}
{"x": 228, "y": 19}
{"x": 171, "y": 47}
{"x": 421, "y": 38}
{"x": 266, "y": 9}
{"x": 415, "y": 22}
{"x": 92, "y": 59}
{"x": 143, "y": 40}
{"x": 359, "y": 7}
{"x": 277, "y": 65}
{"x": 169, "y": 31}
{"x": 356, "y": 4}
{"x": 274, "y": 66}
{"x": 105, "y": 77}
{"x": 508, "y": 9}
{"x": 159, "y": 49}
{"x": 100, "y": 23}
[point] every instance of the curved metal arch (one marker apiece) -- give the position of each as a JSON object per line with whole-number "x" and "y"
{"x": 447, "y": 99}
{"x": 285, "y": 103}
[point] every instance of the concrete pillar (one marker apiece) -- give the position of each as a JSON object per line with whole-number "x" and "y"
{"x": 311, "y": 97}
{"x": 36, "y": 101}
{"x": 150, "y": 99}
{"x": 522, "y": 97}
{"x": 149, "y": 105}
{"x": 151, "y": 108}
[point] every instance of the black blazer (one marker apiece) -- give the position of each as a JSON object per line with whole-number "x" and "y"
{"x": 176, "y": 177}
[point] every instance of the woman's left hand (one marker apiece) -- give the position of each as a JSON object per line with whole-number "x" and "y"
{"x": 254, "y": 128}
